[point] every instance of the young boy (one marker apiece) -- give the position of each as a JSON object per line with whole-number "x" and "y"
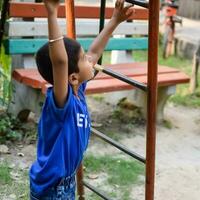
{"x": 64, "y": 126}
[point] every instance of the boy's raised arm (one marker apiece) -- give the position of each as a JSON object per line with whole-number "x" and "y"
{"x": 58, "y": 54}
{"x": 120, "y": 14}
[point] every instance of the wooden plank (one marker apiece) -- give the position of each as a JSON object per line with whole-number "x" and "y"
{"x": 30, "y": 46}
{"x": 83, "y": 28}
{"x": 30, "y": 77}
{"x": 166, "y": 76}
{"x": 129, "y": 69}
{"x": 111, "y": 85}
{"x": 24, "y": 9}
{"x": 134, "y": 69}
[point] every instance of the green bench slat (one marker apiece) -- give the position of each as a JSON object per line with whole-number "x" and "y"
{"x": 30, "y": 46}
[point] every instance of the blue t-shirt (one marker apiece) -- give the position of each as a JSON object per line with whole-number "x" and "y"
{"x": 63, "y": 135}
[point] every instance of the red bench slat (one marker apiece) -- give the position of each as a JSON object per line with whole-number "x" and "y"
{"x": 111, "y": 85}
{"x": 166, "y": 76}
{"x": 24, "y": 9}
{"x": 29, "y": 77}
{"x": 99, "y": 86}
{"x": 134, "y": 69}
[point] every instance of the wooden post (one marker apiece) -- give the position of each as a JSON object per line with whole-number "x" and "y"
{"x": 71, "y": 33}
{"x": 195, "y": 66}
{"x": 152, "y": 97}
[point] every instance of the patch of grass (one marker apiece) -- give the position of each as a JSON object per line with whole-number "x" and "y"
{"x": 106, "y": 57}
{"x": 5, "y": 174}
{"x": 167, "y": 124}
{"x": 121, "y": 173}
{"x": 98, "y": 97}
{"x": 140, "y": 56}
{"x": 190, "y": 100}
{"x": 19, "y": 187}
{"x": 114, "y": 135}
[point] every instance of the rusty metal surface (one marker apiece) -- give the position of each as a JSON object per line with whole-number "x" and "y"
{"x": 152, "y": 97}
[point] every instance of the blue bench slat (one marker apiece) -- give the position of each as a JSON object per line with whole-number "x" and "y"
{"x": 29, "y": 46}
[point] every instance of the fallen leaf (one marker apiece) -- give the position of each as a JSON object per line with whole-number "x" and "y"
{"x": 93, "y": 176}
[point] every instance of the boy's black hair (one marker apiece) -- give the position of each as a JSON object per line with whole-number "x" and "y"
{"x": 44, "y": 64}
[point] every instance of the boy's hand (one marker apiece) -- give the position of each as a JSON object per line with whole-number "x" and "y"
{"x": 51, "y": 5}
{"x": 121, "y": 13}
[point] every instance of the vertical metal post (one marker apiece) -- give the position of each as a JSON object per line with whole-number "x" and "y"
{"x": 80, "y": 186}
{"x": 71, "y": 33}
{"x": 152, "y": 97}
{"x": 4, "y": 11}
{"x": 70, "y": 19}
{"x": 102, "y": 21}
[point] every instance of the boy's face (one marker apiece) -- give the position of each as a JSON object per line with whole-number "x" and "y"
{"x": 86, "y": 70}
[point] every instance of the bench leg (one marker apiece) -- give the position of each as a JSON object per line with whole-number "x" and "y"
{"x": 140, "y": 100}
{"x": 194, "y": 76}
{"x": 25, "y": 99}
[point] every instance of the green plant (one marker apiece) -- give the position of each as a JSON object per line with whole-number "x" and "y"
{"x": 127, "y": 112}
{"x": 9, "y": 128}
{"x": 5, "y": 77}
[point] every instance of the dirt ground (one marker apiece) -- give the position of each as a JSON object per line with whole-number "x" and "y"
{"x": 177, "y": 150}
{"x": 177, "y": 155}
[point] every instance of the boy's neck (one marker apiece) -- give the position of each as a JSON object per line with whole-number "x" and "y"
{"x": 75, "y": 89}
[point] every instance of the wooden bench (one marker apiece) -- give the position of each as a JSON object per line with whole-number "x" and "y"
{"x": 29, "y": 88}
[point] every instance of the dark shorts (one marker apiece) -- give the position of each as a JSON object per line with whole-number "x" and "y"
{"x": 65, "y": 190}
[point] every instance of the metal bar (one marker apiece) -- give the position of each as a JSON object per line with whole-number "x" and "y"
{"x": 80, "y": 187}
{"x": 3, "y": 19}
{"x": 118, "y": 145}
{"x": 154, "y": 6}
{"x": 121, "y": 77}
{"x": 102, "y": 22}
{"x": 95, "y": 191}
{"x": 71, "y": 32}
{"x": 70, "y": 18}
{"x": 141, "y": 3}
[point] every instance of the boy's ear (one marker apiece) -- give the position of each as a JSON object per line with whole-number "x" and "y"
{"x": 74, "y": 79}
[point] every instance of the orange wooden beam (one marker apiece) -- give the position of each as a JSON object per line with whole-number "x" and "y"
{"x": 24, "y": 9}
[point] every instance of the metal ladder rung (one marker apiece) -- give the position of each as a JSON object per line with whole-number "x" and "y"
{"x": 99, "y": 193}
{"x": 121, "y": 77}
{"x": 118, "y": 145}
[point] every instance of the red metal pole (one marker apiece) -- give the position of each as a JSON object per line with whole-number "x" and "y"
{"x": 80, "y": 186}
{"x": 71, "y": 32}
{"x": 152, "y": 97}
{"x": 70, "y": 19}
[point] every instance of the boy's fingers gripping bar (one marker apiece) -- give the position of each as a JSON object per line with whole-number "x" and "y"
{"x": 99, "y": 67}
{"x": 141, "y": 3}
